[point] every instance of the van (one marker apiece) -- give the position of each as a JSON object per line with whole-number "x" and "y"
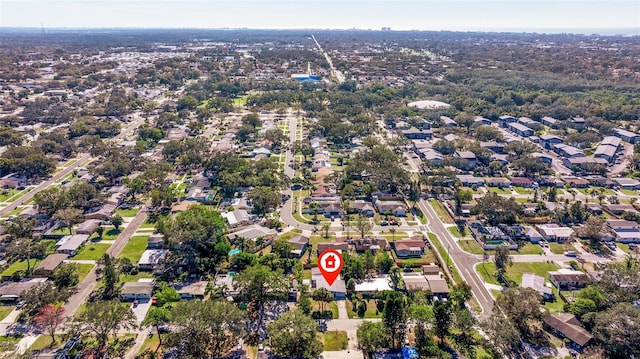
{"x": 571, "y": 254}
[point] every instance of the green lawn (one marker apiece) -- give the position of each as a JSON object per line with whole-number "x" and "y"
{"x": 332, "y": 306}
{"x": 445, "y": 257}
{"x": 471, "y": 246}
{"x": 5, "y": 310}
{"x": 109, "y": 234}
{"x": 92, "y": 251}
{"x": 370, "y": 313}
{"x": 557, "y": 306}
{"x": 128, "y": 212}
{"x": 428, "y": 257}
{"x": 20, "y": 266}
{"x": 629, "y": 192}
{"x": 51, "y": 245}
{"x": 8, "y": 344}
{"x": 499, "y": 190}
{"x": 150, "y": 343}
{"x": 530, "y": 248}
{"x": 240, "y": 101}
{"x": 522, "y": 190}
{"x": 134, "y": 278}
{"x": 441, "y": 211}
{"x": 134, "y": 248}
{"x": 334, "y": 340}
{"x": 5, "y": 194}
{"x": 488, "y": 271}
{"x": 556, "y": 248}
{"x": 146, "y": 225}
{"x": 83, "y": 270}
{"x": 624, "y": 247}
{"x": 455, "y": 232}
{"x": 44, "y": 342}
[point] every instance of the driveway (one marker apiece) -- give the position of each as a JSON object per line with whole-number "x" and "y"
{"x": 140, "y": 310}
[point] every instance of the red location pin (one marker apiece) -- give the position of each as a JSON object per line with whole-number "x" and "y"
{"x": 330, "y": 264}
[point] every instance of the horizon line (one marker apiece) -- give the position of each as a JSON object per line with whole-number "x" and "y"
{"x": 610, "y": 31}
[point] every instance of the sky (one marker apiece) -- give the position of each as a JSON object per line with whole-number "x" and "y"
{"x": 592, "y": 16}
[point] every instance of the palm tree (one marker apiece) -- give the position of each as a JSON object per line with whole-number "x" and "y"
{"x": 326, "y": 228}
{"x": 393, "y": 233}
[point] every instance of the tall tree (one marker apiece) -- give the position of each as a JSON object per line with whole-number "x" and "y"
{"x": 394, "y": 317}
{"x": 104, "y": 318}
{"x": 49, "y": 319}
{"x": 522, "y": 307}
{"x": 156, "y": 317}
{"x": 372, "y": 337}
{"x": 205, "y": 329}
{"x": 294, "y": 335}
{"x": 323, "y": 296}
{"x": 442, "y": 316}
{"x": 502, "y": 260}
{"x": 617, "y": 329}
{"x": 68, "y": 216}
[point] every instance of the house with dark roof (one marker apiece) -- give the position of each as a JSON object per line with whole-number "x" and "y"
{"x": 568, "y": 278}
{"x": 50, "y": 264}
{"x": 299, "y": 244}
{"x": 362, "y": 207}
{"x": 627, "y": 136}
{"x": 467, "y": 160}
{"x": 520, "y": 129}
{"x": 369, "y": 244}
{"x": 548, "y": 141}
{"x": 569, "y": 327}
{"x": 337, "y": 246}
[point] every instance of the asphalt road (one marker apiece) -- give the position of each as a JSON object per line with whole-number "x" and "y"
{"x": 463, "y": 261}
{"x": 89, "y": 282}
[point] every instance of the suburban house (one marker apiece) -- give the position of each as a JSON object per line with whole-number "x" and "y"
{"x": 254, "y": 232}
{"x": 12, "y": 291}
{"x": 238, "y": 217}
{"x": 568, "y": 326}
{"x": 624, "y": 231}
{"x": 338, "y": 289}
{"x": 497, "y": 147}
{"x": 71, "y": 244}
{"x": 522, "y": 182}
{"x": 627, "y": 183}
{"x": 395, "y": 208}
{"x": 577, "y": 123}
{"x": 50, "y": 264}
{"x": 362, "y": 207}
{"x": 141, "y": 291}
{"x": 431, "y": 269}
{"x": 103, "y": 213}
{"x": 13, "y": 180}
{"x": 479, "y": 120}
{"x": 409, "y": 248}
{"x": 155, "y": 241}
{"x": 195, "y": 290}
{"x": 500, "y": 182}
{"x": 536, "y": 282}
{"x": 437, "y": 285}
{"x": 469, "y": 180}
{"x": 532, "y": 235}
{"x": 369, "y": 244}
{"x": 151, "y": 258}
{"x": 299, "y": 244}
{"x": 448, "y": 121}
{"x": 568, "y": 278}
{"x": 549, "y": 121}
{"x": 88, "y": 227}
{"x": 414, "y": 281}
{"x": 369, "y": 287}
{"x": 467, "y": 160}
{"x": 338, "y": 246}
{"x": 555, "y": 233}
{"x": 567, "y": 151}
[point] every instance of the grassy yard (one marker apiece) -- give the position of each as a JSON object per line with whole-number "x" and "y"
{"x": 8, "y": 344}
{"x": 147, "y": 225}
{"x": 471, "y": 246}
{"x": 150, "y": 343}
{"x": 334, "y": 340}
{"x": 488, "y": 271}
{"x": 629, "y": 192}
{"x": 109, "y": 234}
{"x": 456, "y": 232}
{"x": 20, "y": 266}
{"x": 332, "y": 306}
{"x": 83, "y": 270}
{"x": 522, "y": 190}
{"x": 5, "y": 310}
{"x": 499, "y": 190}
{"x": 44, "y": 342}
{"x": 5, "y": 194}
{"x": 557, "y": 306}
{"x": 128, "y": 212}
{"x": 428, "y": 257}
{"x": 92, "y": 251}
{"x": 134, "y": 278}
{"x": 445, "y": 257}
{"x": 530, "y": 248}
{"x": 624, "y": 247}
{"x": 370, "y": 313}
{"x": 134, "y": 248}
{"x": 441, "y": 211}
{"x": 556, "y": 248}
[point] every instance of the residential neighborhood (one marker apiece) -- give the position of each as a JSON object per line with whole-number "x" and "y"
{"x": 169, "y": 196}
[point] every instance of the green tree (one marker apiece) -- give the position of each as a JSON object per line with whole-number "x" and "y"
{"x": 205, "y": 329}
{"x": 504, "y": 337}
{"x": 156, "y": 317}
{"x": 372, "y": 337}
{"x": 99, "y": 231}
{"x": 116, "y": 221}
{"x": 383, "y": 261}
{"x": 68, "y": 216}
{"x": 166, "y": 294}
{"x": 104, "y": 318}
{"x": 52, "y": 199}
{"x": 294, "y": 335}
{"x": 322, "y": 296}
{"x": 617, "y": 329}
{"x": 522, "y": 307}
{"x": 110, "y": 276}
{"x": 260, "y": 286}
{"x": 66, "y": 275}
{"x": 503, "y": 260}
{"x": 264, "y": 199}
{"x": 394, "y": 317}
{"x": 442, "y": 316}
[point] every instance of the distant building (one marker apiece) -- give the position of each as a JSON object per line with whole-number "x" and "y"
{"x": 627, "y": 136}
{"x": 568, "y": 278}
